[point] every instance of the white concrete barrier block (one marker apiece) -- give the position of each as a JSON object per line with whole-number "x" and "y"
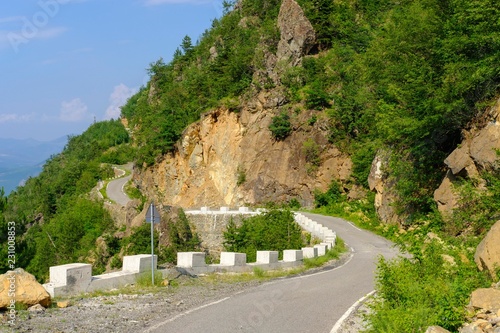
{"x": 310, "y": 252}
{"x": 267, "y": 257}
{"x": 204, "y": 209}
{"x": 76, "y": 276}
{"x": 224, "y": 209}
{"x": 138, "y": 263}
{"x": 244, "y": 210}
{"x": 292, "y": 255}
{"x": 191, "y": 259}
{"x": 233, "y": 259}
{"x": 322, "y": 248}
{"x": 328, "y": 245}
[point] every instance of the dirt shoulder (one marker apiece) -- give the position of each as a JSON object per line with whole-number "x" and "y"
{"x": 135, "y": 309}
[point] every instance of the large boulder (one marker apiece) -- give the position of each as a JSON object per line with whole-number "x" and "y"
{"x": 445, "y": 196}
{"x": 27, "y": 289}
{"x": 487, "y": 299}
{"x": 487, "y": 256}
{"x": 297, "y": 33}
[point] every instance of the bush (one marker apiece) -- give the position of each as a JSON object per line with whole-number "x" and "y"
{"x": 241, "y": 175}
{"x": 331, "y": 196}
{"x": 280, "y": 126}
{"x": 275, "y": 230}
{"x": 311, "y": 151}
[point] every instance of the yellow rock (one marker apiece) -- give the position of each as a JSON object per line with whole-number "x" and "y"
{"x": 63, "y": 304}
{"x": 22, "y": 287}
{"x": 165, "y": 282}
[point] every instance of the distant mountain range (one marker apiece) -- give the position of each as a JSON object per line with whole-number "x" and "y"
{"x": 21, "y": 159}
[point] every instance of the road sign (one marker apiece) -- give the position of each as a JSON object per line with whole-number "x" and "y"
{"x": 152, "y": 215}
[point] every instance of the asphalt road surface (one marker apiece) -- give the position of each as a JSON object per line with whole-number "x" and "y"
{"x": 115, "y": 188}
{"x": 309, "y": 303}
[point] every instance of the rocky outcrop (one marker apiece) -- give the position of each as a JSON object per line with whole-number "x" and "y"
{"x": 297, "y": 33}
{"x": 27, "y": 289}
{"x": 487, "y": 256}
{"x": 476, "y": 153}
{"x": 383, "y": 186}
{"x": 213, "y": 153}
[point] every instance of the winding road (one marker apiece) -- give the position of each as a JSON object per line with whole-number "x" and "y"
{"x": 115, "y": 188}
{"x": 308, "y": 303}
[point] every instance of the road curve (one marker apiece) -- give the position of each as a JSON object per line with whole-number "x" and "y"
{"x": 115, "y": 188}
{"x": 309, "y": 303}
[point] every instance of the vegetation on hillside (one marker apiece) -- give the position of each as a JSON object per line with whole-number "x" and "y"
{"x": 214, "y": 72}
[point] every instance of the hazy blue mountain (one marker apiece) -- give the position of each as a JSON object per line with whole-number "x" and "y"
{"x": 20, "y": 159}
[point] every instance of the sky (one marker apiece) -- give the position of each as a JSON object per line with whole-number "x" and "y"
{"x": 66, "y": 63}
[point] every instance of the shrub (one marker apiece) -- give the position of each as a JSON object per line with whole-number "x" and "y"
{"x": 317, "y": 98}
{"x": 280, "y": 126}
{"x": 241, "y": 176}
{"x": 311, "y": 151}
{"x": 332, "y": 195}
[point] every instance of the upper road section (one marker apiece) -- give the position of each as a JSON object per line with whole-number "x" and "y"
{"x": 116, "y": 188}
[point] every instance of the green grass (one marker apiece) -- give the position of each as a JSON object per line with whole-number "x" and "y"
{"x": 144, "y": 279}
{"x": 332, "y": 254}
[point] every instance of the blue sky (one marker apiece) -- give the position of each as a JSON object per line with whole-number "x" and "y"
{"x": 65, "y": 62}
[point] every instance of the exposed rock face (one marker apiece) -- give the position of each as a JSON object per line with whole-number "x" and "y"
{"x": 477, "y": 152}
{"x": 383, "y": 186}
{"x": 297, "y": 33}
{"x": 487, "y": 255}
{"x": 213, "y": 152}
{"x": 27, "y": 289}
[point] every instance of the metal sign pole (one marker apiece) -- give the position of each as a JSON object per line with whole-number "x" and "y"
{"x": 152, "y": 245}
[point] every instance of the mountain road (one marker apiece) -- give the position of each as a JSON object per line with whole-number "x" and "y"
{"x": 307, "y": 303}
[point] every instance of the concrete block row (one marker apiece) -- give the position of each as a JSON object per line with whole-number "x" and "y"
{"x": 316, "y": 229}
{"x": 73, "y": 279}
{"x": 223, "y": 211}
{"x": 194, "y": 262}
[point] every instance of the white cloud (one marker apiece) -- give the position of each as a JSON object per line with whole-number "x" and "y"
{"x": 117, "y": 99}
{"x": 8, "y": 117}
{"x": 73, "y": 111}
{"x": 51, "y": 32}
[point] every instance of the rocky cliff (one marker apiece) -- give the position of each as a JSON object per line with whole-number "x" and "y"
{"x": 231, "y": 158}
